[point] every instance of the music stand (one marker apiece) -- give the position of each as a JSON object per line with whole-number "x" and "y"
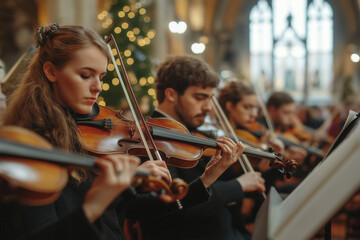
{"x": 317, "y": 198}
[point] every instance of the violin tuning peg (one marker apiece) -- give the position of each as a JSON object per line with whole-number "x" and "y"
{"x": 270, "y": 150}
{"x": 288, "y": 174}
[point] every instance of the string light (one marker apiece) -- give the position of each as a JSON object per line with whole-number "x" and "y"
{"x": 124, "y": 25}
{"x": 132, "y": 39}
{"x": 141, "y": 42}
{"x": 355, "y": 57}
{"x": 109, "y": 21}
{"x": 151, "y": 91}
{"x": 126, "y": 8}
{"x": 136, "y": 30}
{"x": 147, "y": 19}
{"x": 130, "y": 34}
{"x": 113, "y": 51}
{"x": 102, "y": 103}
{"x": 198, "y": 48}
{"x": 101, "y": 16}
{"x": 115, "y": 81}
{"x": 127, "y": 53}
{"x": 147, "y": 40}
{"x": 121, "y": 14}
{"x": 110, "y": 67}
{"x": 151, "y": 34}
{"x": 142, "y": 11}
{"x": 155, "y": 103}
{"x": 150, "y": 80}
{"x": 118, "y": 62}
{"x": 179, "y": 27}
{"x": 142, "y": 81}
{"x": 131, "y": 15}
{"x": 105, "y": 86}
{"x": 117, "y": 30}
{"x": 130, "y": 61}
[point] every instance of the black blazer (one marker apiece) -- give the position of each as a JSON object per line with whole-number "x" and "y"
{"x": 209, "y": 220}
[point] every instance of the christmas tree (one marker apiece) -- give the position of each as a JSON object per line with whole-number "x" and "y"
{"x": 131, "y": 26}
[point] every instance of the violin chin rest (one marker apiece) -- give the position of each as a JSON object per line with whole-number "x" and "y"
{"x": 95, "y": 111}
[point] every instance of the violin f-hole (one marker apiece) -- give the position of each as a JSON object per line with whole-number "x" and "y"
{"x": 135, "y": 141}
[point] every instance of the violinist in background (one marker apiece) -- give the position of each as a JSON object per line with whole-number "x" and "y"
{"x": 241, "y": 106}
{"x": 282, "y": 111}
{"x": 63, "y": 80}
{"x": 184, "y": 87}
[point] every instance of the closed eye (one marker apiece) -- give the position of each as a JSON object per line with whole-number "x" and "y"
{"x": 84, "y": 76}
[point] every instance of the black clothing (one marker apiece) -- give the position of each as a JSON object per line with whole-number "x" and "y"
{"x": 65, "y": 218}
{"x": 209, "y": 220}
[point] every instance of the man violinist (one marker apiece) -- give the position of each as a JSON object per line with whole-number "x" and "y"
{"x": 184, "y": 87}
{"x": 282, "y": 110}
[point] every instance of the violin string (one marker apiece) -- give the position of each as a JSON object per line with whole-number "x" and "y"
{"x": 166, "y": 132}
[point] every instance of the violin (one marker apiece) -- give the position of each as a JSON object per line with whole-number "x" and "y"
{"x": 291, "y": 140}
{"x": 295, "y": 134}
{"x": 34, "y": 173}
{"x": 111, "y": 132}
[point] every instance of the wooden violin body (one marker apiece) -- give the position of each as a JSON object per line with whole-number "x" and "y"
{"x": 115, "y": 134}
{"x": 110, "y": 132}
{"x": 33, "y": 173}
{"x": 28, "y": 181}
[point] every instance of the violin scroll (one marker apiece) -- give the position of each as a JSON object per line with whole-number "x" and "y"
{"x": 284, "y": 164}
{"x": 177, "y": 190}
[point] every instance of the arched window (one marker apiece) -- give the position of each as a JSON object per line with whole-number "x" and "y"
{"x": 291, "y": 45}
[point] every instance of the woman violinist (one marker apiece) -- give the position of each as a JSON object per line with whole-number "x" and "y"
{"x": 241, "y": 106}
{"x": 63, "y": 80}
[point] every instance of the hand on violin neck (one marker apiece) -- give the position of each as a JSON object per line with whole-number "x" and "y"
{"x": 157, "y": 168}
{"x": 116, "y": 174}
{"x": 227, "y": 155}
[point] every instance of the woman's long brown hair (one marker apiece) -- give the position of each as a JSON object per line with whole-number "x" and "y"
{"x": 33, "y": 104}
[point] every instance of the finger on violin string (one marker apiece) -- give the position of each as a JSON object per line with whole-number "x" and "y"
{"x": 226, "y": 151}
{"x": 228, "y": 142}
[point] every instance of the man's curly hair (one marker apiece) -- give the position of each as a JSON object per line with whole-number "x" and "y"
{"x": 181, "y": 72}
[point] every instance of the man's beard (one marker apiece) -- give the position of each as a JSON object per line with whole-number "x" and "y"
{"x": 185, "y": 118}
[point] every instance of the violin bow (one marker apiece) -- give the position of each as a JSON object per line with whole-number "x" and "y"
{"x": 243, "y": 160}
{"x": 135, "y": 103}
{"x": 268, "y": 120}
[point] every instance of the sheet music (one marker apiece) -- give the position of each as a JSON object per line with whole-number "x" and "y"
{"x": 321, "y": 194}
{"x": 351, "y": 116}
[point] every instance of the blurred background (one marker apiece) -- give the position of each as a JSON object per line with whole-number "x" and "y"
{"x": 309, "y": 48}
